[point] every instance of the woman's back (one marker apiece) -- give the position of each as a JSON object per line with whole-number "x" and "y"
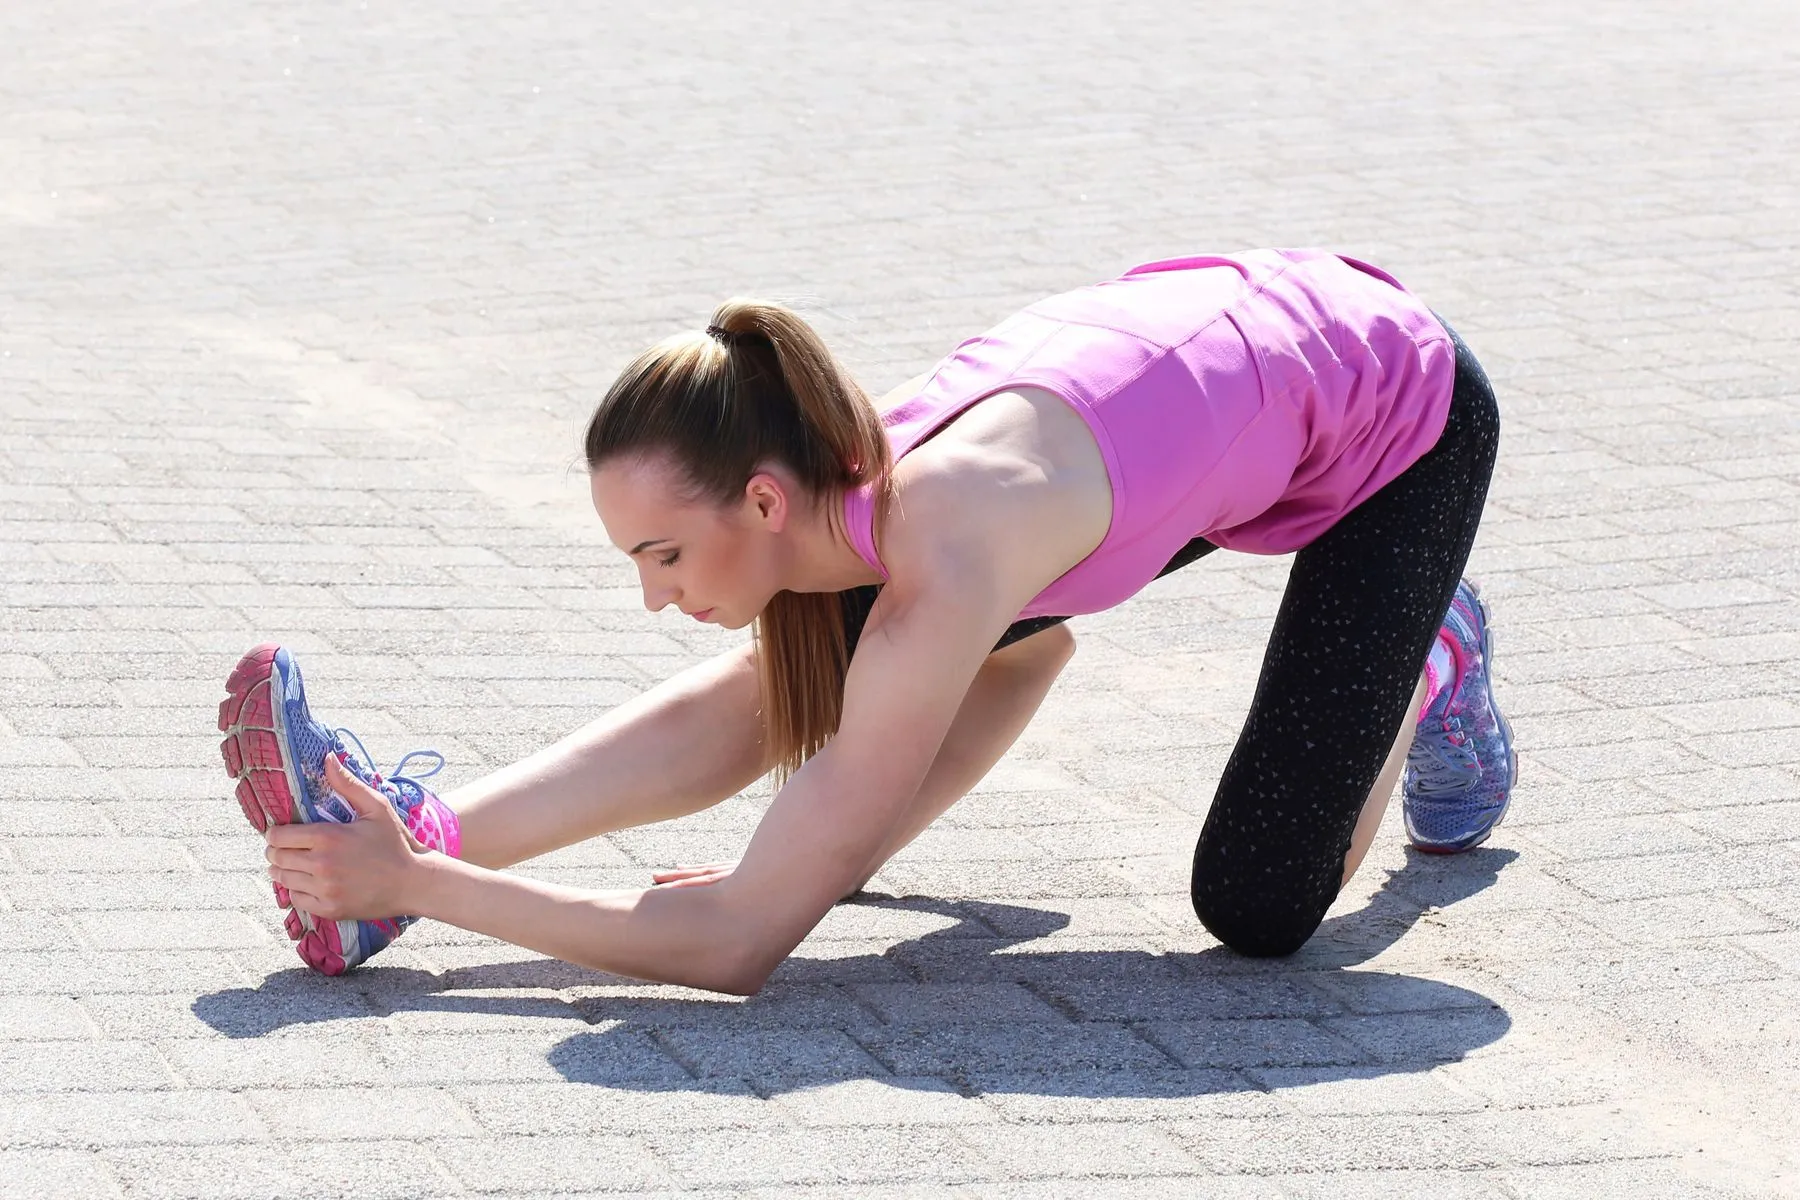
{"x": 1252, "y": 400}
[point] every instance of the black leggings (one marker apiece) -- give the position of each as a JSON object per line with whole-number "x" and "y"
{"x": 1363, "y": 605}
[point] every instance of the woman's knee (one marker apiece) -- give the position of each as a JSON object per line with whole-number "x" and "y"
{"x": 1253, "y": 929}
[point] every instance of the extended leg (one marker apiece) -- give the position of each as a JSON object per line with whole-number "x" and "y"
{"x": 684, "y": 745}
{"x": 697, "y": 739}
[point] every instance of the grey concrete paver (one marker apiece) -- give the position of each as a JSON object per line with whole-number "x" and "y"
{"x": 304, "y": 308}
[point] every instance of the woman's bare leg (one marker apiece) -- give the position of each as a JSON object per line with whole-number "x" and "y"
{"x": 1376, "y": 805}
{"x": 684, "y": 745}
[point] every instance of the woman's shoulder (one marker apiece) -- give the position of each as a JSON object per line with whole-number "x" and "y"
{"x": 962, "y": 513}
{"x": 933, "y": 516}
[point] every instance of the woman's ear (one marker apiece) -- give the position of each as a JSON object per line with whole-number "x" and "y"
{"x": 767, "y": 496}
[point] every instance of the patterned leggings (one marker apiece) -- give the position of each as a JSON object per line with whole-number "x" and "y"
{"x": 1363, "y": 606}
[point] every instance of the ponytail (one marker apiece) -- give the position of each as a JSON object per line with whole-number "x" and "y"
{"x": 759, "y": 385}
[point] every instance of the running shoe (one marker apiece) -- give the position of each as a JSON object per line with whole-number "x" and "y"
{"x": 1462, "y": 766}
{"x": 276, "y": 751}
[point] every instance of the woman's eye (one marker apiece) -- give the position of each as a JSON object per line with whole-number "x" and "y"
{"x": 671, "y": 560}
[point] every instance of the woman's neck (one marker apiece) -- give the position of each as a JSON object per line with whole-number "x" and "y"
{"x": 824, "y": 557}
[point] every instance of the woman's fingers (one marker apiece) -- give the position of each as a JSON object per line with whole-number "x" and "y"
{"x": 697, "y": 876}
{"x": 363, "y": 799}
{"x": 293, "y": 879}
{"x": 349, "y": 870}
{"x": 695, "y": 880}
{"x": 279, "y": 856}
{"x": 300, "y": 893}
{"x": 293, "y": 837}
{"x": 678, "y": 873}
{"x": 312, "y": 906}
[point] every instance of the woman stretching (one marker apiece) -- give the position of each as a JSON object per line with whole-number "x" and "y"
{"x": 908, "y": 567}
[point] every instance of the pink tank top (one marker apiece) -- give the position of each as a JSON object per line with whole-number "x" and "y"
{"x": 1252, "y": 400}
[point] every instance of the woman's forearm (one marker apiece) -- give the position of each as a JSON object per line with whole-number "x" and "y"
{"x": 687, "y": 936}
{"x": 1006, "y": 694}
{"x": 716, "y": 937}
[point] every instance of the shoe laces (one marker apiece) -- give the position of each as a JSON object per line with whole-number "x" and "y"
{"x": 396, "y": 784}
{"x": 1450, "y": 760}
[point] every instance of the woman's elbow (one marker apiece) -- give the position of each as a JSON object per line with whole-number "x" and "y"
{"x": 742, "y": 970}
{"x": 753, "y": 934}
{"x": 745, "y": 957}
{"x": 746, "y": 984}
{"x": 742, "y": 955}
{"x": 723, "y": 969}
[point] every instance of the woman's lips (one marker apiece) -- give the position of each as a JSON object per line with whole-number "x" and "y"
{"x": 703, "y": 614}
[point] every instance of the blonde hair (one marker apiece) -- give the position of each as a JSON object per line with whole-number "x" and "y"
{"x": 759, "y": 385}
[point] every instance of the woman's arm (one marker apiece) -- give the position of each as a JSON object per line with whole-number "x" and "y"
{"x": 818, "y": 840}
{"x": 670, "y": 935}
{"x": 372, "y": 868}
{"x": 826, "y": 830}
{"x": 1006, "y": 694}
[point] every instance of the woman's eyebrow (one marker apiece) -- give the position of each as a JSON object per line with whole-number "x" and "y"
{"x": 642, "y": 546}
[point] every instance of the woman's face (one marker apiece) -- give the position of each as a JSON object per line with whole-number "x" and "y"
{"x": 715, "y": 564}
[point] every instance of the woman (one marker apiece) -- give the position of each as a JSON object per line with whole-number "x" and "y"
{"x": 908, "y": 571}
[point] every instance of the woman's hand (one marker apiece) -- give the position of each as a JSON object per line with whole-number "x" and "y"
{"x": 693, "y": 876}
{"x": 361, "y": 871}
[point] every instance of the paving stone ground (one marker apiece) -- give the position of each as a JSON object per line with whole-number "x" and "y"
{"x": 301, "y": 311}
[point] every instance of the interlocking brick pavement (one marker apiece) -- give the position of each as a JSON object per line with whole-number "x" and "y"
{"x": 302, "y": 310}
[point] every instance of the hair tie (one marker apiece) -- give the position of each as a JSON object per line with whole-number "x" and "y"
{"x": 721, "y": 334}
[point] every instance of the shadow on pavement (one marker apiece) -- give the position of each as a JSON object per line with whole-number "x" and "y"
{"x": 975, "y": 1004}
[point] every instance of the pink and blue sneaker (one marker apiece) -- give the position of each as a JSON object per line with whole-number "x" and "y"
{"x": 1462, "y": 766}
{"x": 276, "y": 751}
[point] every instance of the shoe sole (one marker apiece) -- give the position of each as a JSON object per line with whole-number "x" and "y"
{"x": 269, "y": 790}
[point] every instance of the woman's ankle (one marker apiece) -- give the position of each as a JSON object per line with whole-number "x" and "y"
{"x": 433, "y": 823}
